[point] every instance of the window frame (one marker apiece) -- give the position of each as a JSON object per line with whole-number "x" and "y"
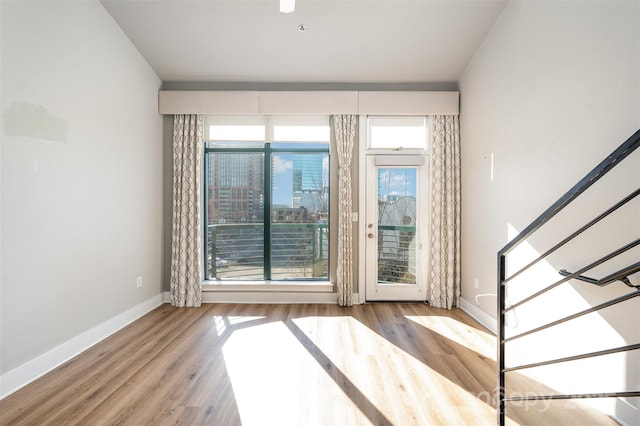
{"x": 269, "y": 153}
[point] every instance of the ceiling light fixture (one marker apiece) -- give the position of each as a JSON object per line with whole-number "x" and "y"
{"x": 287, "y": 6}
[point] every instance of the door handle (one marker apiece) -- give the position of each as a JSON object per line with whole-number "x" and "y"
{"x": 370, "y": 235}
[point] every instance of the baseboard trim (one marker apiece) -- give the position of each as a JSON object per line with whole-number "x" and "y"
{"x": 625, "y": 413}
{"x": 479, "y": 315}
{"x": 37, "y": 367}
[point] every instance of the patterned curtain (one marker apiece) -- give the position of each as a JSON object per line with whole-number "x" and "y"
{"x": 186, "y": 283}
{"x": 344, "y": 127}
{"x": 445, "y": 213}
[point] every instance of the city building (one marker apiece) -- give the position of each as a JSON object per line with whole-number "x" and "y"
{"x": 235, "y": 185}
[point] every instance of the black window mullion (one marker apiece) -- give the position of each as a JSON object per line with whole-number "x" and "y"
{"x": 206, "y": 224}
{"x": 267, "y": 211}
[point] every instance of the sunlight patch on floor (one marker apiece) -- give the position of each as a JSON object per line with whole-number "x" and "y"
{"x": 272, "y": 374}
{"x": 392, "y": 393}
{"x": 476, "y": 340}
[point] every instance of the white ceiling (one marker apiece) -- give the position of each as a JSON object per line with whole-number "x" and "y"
{"x": 349, "y": 41}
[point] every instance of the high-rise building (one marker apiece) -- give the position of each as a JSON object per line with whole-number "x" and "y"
{"x": 307, "y": 173}
{"x": 235, "y": 183}
{"x": 309, "y": 183}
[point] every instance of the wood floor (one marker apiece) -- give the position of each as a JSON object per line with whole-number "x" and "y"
{"x": 379, "y": 364}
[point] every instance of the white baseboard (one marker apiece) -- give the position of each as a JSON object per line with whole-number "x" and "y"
{"x": 479, "y": 315}
{"x": 625, "y": 413}
{"x": 31, "y": 370}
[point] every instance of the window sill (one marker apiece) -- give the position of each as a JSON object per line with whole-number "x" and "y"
{"x": 269, "y": 286}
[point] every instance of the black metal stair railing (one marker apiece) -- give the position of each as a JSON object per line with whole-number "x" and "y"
{"x": 622, "y": 152}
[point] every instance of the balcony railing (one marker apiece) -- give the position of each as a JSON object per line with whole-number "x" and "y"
{"x": 396, "y": 254}
{"x": 293, "y": 251}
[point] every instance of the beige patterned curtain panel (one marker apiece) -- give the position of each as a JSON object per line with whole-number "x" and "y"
{"x": 344, "y": 128}
{"x": 444, "y": 282}
{"x": 186, "y": 259}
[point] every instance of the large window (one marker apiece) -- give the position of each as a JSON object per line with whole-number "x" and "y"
{"x": 267, "y": 203}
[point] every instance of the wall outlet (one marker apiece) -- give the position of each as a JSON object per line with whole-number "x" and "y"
{"x": 139, "y": 282}
{"x": 476, "y": 282}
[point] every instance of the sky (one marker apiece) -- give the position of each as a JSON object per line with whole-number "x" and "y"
{"x": 282, "y": 179}
{"x": 400, "y": 181}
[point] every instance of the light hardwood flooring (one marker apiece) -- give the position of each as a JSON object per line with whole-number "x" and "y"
{"x": 233, "y": 364}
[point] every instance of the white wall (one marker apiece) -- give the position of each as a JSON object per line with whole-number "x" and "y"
{"x": 554, "y": 88}
{"x": 81, "y": 175}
